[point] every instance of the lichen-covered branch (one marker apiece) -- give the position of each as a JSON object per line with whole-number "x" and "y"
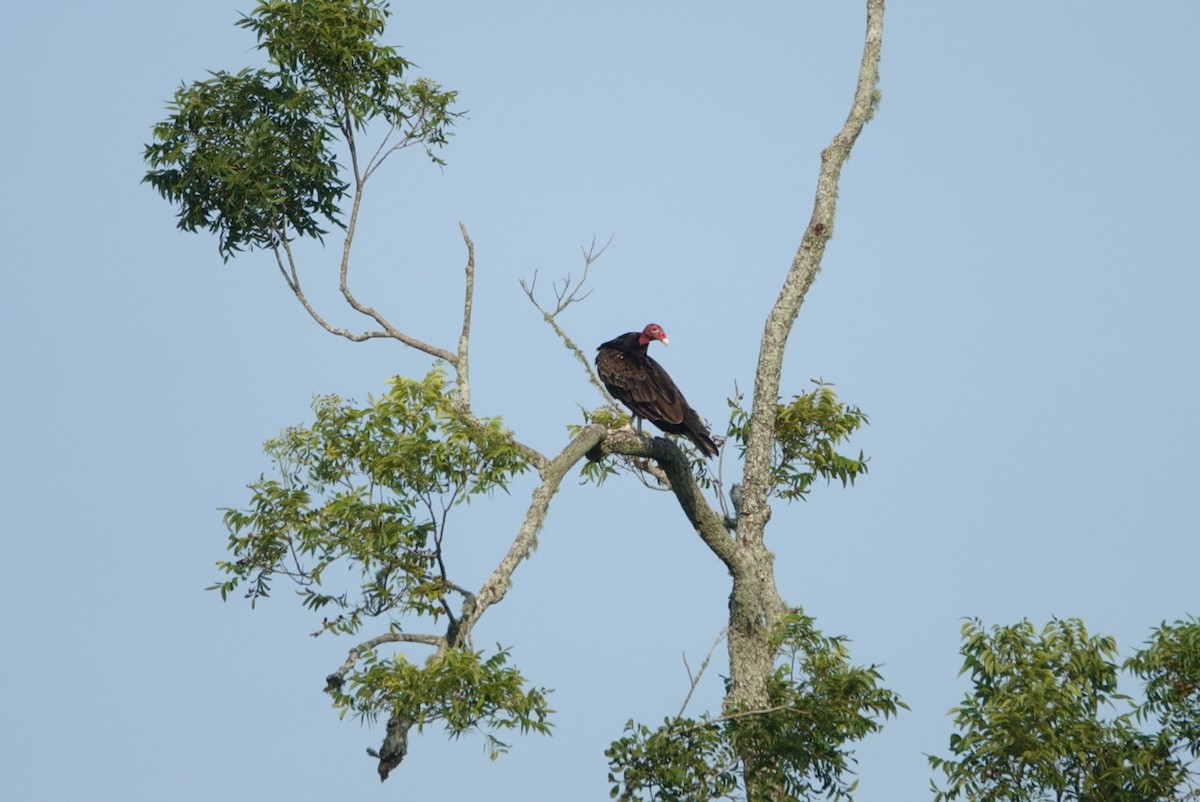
{"x": 338, "y": 677}
{"x": 804, "y": 268}
{"x": 552, "y": 474}
{"x": 755, "y": 606}
{"x": 708, "y": 523}
{"x": 461, "y": 360}
{"x": 493, "y": 590}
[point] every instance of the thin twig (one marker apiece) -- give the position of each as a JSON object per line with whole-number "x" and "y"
{"x": 568, "y": 295}
{"x": 696, "y": 679}
{"x": 376, "y": 160}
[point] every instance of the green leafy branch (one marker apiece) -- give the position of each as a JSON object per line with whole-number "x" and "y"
{"x": 462, "y": 690}
{"x": 1170, "y": 667}
{"x": 250, "y": 155}
{"x": 247, "y": 157}
{"x": 808, "y": 431}
{"x": 253, "y": 156}
{"x": 371, "y": 487}
{"x": 1032, "y": 728}
{"x": 818, "y": 704}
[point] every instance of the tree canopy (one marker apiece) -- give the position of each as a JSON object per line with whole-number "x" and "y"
{"x": 361, "y": 501}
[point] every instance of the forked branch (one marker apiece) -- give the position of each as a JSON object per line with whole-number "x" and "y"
{"x": 567, "y": 294}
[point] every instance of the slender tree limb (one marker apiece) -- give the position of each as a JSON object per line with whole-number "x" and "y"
{"x": 709, "y": 525}
{"x": 338, "y": 677}
{"x": 293, "y": 282}
{"x": 703, "y": 667}
{"x": 577, "y": 352}
{"x": 395, "y": 743}
{"x": 569, "y": 294}
{"x": 376, "y": 160}
{"x": 291, "y": 277}
{"x": 363, "y": 309}
{"x": 497, "y": 585}
{"x": 292, "y": 285}
{"x": 342, "y": 113}
{"x": 461, "y": 363}
{"x": 803, "y": 271}
{"x": 381, "y": 155}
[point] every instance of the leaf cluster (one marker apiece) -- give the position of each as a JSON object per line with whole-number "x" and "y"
{"x": 795, "y": 748}
{"x": 820, "y": 704}
{"x": 1031, "y": 728}
{"x": 333, "y": 46}
{"x": 1170, "y": 667}
{"x": 371, "y": 488}
{"x": 461, "y": 689}
{"x": 598, "y": 470}
{"x": 683, "y": 760}
{"x": 251, "y": 156}
{"x": 808, "y": 431}
{"x": 246, "y": 156}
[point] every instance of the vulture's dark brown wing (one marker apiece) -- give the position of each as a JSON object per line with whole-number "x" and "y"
{"x": 641, "y": 384}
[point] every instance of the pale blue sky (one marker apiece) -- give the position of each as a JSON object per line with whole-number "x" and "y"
{"x": 1011, "y": 295}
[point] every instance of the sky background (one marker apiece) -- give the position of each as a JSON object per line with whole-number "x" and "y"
{"x": 1010, "y": 294}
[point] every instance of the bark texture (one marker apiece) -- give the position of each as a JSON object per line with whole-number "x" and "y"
{"x": 755, "y": 606}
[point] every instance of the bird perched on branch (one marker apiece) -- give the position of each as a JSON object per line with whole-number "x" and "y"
{"x": 641, "y": 384}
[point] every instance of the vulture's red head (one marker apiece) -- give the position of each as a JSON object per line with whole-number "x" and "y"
{"x": 653, "y": 332}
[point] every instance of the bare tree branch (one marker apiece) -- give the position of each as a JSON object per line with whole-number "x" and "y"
{"x": 709, "y": 525}
{"x": 755, "y": 606}
{"x": 291, "y": 277}
{"x": 569, "y": 294}
{"x": 461, "y": 364}
{"x": 804, "y": 268}
{"x": 497, "y": 585}
{"x": 338, "y": 677}
{"x": 293, "y": 282}
{"x": 703, "y": 666}
{"x": 363, "y": 309}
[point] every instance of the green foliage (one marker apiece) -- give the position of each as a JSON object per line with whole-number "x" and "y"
{"x": 817, "y": 704}
{"x": 598, "y": 470}
{"x": 684, "y": 760}
{"x": 250, "y": 156}
{"x": 1170, "y": 666}
{"x": 460, "y": 689}
{"x": 356, "y": 515}
{"x": 247, "y": 157}
{"x": 1031, "y": 728}
{"x": 807, "y": 433}
{"x": 371, "y": 487}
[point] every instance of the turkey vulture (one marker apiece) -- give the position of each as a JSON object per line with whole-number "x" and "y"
{"x": 641, "y": 384}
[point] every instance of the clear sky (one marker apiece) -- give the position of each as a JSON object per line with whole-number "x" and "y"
{"x": 1010, "y": 294}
